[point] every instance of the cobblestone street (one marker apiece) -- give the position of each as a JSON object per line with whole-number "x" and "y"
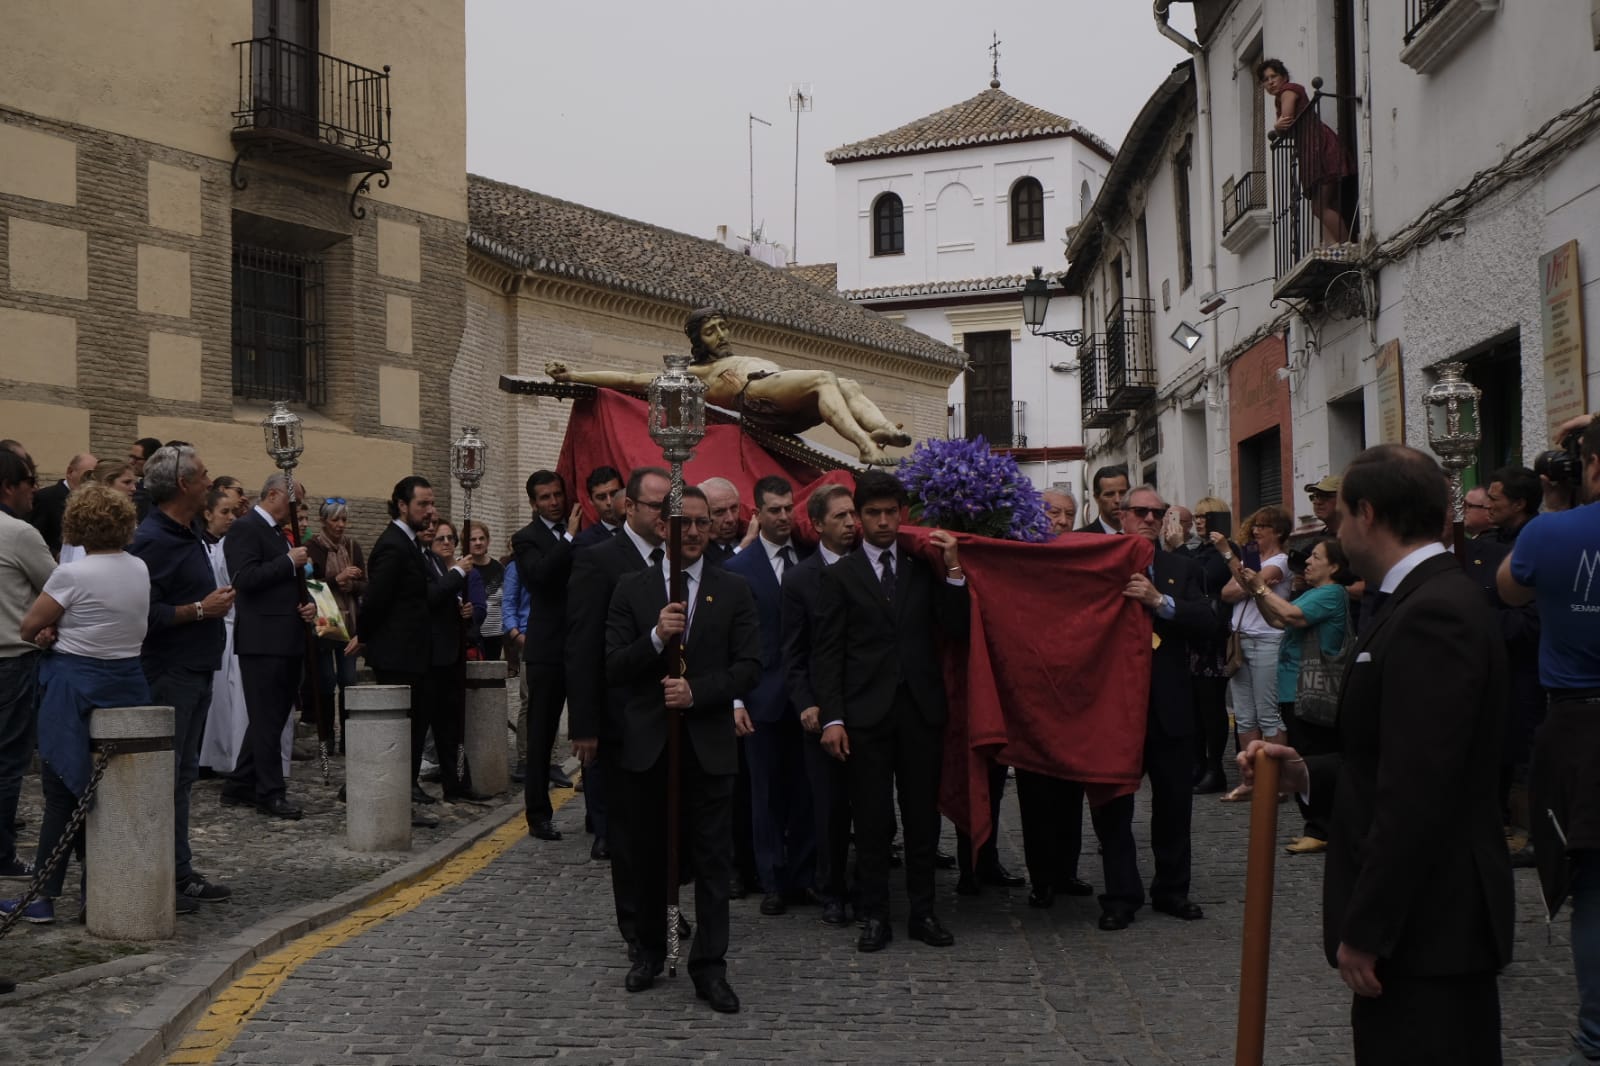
{"x": 521, "y": 962}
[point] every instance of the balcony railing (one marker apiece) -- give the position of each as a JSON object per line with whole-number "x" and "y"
{"x": 1240, "y": 197}
{"x": 1310, "y": 168}
{"x": 1418, "y": 14}
{"x": 318, "y": 112}
{"x": 1130, "y": 364}
{"x": 1001, "y": 426}
{"x": 1092, "y": 384}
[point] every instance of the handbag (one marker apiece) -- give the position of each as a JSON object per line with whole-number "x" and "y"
{"x": 330, "y": 620}
{"x": 1321, "y": 681}
{"x": 1235, "y": 660}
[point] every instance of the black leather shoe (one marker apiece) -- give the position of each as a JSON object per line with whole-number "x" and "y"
{"x": 279, "y": 807}
{"x": 944, "y": 862}
{"x": 1211, "y": 781}
{"x": 928, "y": 930}
{"x": 1074, "y": 886}
{"x": 1000, "y": 877}
{"x": 833, "y": 913}
{"x": 598, "y": 851}
{"x": 1042, "y": 897}
{"x": 641, "y": 975}
{"x": 715, "y": 991}
{"x": 559, "y": 778}
{"x": 422, "y": 795}
{"x": 772, "y": 904}
{"x": 1113, "y": 920}
{"x": 519, "y": 773}
{"x": 875, "y": 935}
{"x": 736, "y": 887}
{"x": 544, "y": 831}
{"x": 968, "y": 885}
{"x": 1179, "y": 908}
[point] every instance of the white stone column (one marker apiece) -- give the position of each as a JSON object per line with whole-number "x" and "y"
{"x": 377, "y": 765}
{"x": 132, "y": 886}
{"x": 486, "y": 727}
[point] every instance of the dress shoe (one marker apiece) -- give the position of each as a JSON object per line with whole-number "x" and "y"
{"x": 559, "y": 778}
{"x": 544, "y": 831}
{"x": 641, "y": 975}
{"x": 519, "y": 773}
{"x": 833, "y": 913}
{"x": 7, "y": 985}
{"x": 944, "y": 862}
{"x": 422, "y": 795}
{"x": 1000, "y": 877}
{"x": 715, "y": 991}
{"x": 280, "y": 807}
{"x": 875, "y": 935}
{"x": 1306, "y": 846}
{"x": 968, "y": 885}
{"x": 1211, "y": 781}
{"x": 1179, "y": 907}
{"x": 1113, "y": 919}
{"x": 928, "y": 930}
{"x": 1074, "y": 886}
{"x": 736, "y": 887}
{"x": 423, "y": 820}
{"x": 598, "y": 851}
{"x": 772, "y": 905}
{"x": 1043, "y": 897}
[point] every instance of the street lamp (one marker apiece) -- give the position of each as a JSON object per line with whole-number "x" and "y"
{"x": 285, "y": 440}
{"x": 1036, "y": 304}
{"x": 1452, "y": 404}
{"x": 677, "y": 425}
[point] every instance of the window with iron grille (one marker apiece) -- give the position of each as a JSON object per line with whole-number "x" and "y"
{"x": 888, "y": 225}
{"x": 277, "y": 325}
{"x": 1027, "y": 211}
{"x": 1180, "y": 183}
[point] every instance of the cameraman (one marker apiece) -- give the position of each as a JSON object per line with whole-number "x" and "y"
{"x": 1554, "y": 563}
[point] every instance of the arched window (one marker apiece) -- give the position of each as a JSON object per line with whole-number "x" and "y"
{"x": 1027, "y": 211}
{"x": 1085, "y": 201}
{"x": 888, "y": 225}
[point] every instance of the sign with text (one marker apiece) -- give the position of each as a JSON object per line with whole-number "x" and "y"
{"x": 1561, "y": 314}
{"x": 1391, "y": 396}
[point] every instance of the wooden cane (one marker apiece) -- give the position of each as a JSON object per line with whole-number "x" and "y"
{"x": 1258, "y": 882}
{"x": 675, "y": 668}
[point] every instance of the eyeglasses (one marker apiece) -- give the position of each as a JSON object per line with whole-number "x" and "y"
{"x": 448, "y": 538}
{"x": 335, "y": 499}
{"x": 654, "y": 505}
{"x": 1148, "y": 512}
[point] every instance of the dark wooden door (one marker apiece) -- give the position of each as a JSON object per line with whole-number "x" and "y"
{"x": 989, "y": 388}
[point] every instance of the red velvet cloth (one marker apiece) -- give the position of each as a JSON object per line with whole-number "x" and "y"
{"x": 1055, "y": 675}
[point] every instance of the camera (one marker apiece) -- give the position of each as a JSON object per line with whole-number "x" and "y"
{"x": 1297, "y": 560}
{"x": 1563, "y": 465}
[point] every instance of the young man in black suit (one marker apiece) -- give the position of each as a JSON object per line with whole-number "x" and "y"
{"x": 721, "y": 656}
{"x": 881, "y": 690}
{"x": 269, "y": 636}
{"x": 604, "y": 486}
{"x": 1110, "y": 486}
{"x": 1172, "y": 591}
{"x": 833, "y": 516}
{"x": 1417, "y": 897}
{"x": 543, "y": 550}
{"x": 594, "y": 707}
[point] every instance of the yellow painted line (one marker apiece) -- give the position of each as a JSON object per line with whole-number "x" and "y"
{"x": 233, "y": 1008}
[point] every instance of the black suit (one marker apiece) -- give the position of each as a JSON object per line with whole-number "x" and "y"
{"x": 544, "y": 562}
{"x": 717, "y": 554}
{"x": 395, "y": 624}
{"x": 876, "y": 668}
{"x": 444, "y": 686}
{"x": 595, "y": 708}
{"x": 722, "y": 658}
{"x": 830, "y": 783}
{"x": 1423, "y": 879}
{"x": 49, "y": 504}
{"x": 1093, "y": 526}
{"x": 595, "y": 535}
{"x": 1168, "y": 751}
{"x": 269, "y": 636}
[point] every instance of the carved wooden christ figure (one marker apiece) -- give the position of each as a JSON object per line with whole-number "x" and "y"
{"x": 765, "y": 394}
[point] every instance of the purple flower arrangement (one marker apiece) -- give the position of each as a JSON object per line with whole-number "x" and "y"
{"x": 962, "y": 486}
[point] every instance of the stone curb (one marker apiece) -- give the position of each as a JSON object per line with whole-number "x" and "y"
{"x": 83, "y": 975}
{"x": 147, "y": 1037}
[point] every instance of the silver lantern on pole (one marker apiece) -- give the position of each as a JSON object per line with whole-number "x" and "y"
{"x": 468, "y": 455}
{"x": 1453, "y": 432}
{"x": 677, "y": 425}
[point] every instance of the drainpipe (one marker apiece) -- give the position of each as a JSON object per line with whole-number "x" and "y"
{"x": 1364, "y": 119}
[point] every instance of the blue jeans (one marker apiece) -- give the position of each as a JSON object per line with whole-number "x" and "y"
{"x": 19, "y": 716}
{"x": 188, "y": 693}
{"x": 1586, "y": 948}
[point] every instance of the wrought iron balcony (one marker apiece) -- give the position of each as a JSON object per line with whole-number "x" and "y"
{"x": 1001, "y": 426}
{"x": 1310, "y": 167}
{"x": 1436, "y": 29}
{"x": 1244, "y": 209}
{"x": 1092, "y": 384}
{"x": 1130, "y": 363}
{"x": 311, "y": 110}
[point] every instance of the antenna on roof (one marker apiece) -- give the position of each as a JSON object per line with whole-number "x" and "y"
{"x": 800, "y": 101}
{"x": 994, "y": 68}
{"x": 752, "y": 138}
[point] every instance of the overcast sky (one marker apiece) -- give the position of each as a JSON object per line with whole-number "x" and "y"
{"x": 640, "y": 107}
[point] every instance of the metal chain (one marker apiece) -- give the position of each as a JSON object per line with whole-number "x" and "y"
{"x": 59, "y": 855}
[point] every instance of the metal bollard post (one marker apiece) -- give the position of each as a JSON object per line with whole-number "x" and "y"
{"x": 378, "y": 768}
{"x": 485, "y": 738}
{"x": 132, "y": 886}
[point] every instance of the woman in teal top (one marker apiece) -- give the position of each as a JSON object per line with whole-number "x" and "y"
{"x": 1323, "y": 610}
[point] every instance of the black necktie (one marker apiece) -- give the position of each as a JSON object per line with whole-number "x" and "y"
{"x": 1371, "y": 605}
{"x": 786, "y": 555}
{"x": 886, "y": 579}
{"x": 614, "y": 530}
{"x": 656, "y": 555}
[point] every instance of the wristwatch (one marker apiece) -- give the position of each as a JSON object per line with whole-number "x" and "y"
{"x": 199, "y": 611}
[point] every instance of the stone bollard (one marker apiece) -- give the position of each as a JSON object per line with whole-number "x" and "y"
{"x": 485, "y": 735}
{"x": 132, "y": 886}
{"x": 377, "y": 768}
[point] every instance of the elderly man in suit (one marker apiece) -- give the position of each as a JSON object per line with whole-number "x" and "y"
{"x": 50, "y": 504}
{"x": 1417, "y": 895}
{"x": 269, "y": 636}
{"x": 881, "y": 693}
{"x": 721, "y": 657}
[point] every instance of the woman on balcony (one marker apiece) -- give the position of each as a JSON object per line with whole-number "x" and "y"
{"x": 1319, "y": 154}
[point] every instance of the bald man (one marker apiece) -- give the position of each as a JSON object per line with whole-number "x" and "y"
{"x": 49, "y": 504}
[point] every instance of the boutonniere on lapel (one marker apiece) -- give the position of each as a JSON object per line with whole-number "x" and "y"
{"x": 711, "y": 599}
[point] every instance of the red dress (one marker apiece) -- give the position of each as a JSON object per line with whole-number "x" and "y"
{"x": 1318, "y": 150}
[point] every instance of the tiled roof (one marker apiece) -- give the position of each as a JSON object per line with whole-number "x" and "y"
{"x": 936, "y": 288}
{"x": 822, "y": 275}
{"x": 991, "y": 117}
{"x": 544, "y": 235}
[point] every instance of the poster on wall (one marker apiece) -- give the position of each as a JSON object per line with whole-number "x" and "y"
{"x": 1561, "y": 314}
{"x": 1391, "y": 396}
